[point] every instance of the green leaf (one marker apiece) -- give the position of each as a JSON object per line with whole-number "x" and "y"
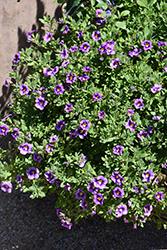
{"x": 151, "y": 2}
{"x": 142, "y": 3}
{"x": 93, "y": 2}
{"x": 121, "y": 25}
{"x": 125, "y": 13}
{"x": 102, "y": 5}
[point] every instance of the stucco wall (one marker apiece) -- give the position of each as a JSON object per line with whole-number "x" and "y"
{"x": 16, "y": 19}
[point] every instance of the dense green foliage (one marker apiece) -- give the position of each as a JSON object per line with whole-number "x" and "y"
{"x": 118, "y": 63}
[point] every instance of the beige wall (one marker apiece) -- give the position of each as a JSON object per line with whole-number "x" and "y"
{"x": 16, "y": 19}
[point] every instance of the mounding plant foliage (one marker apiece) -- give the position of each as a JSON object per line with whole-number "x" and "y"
{"x": 89, "y": 121}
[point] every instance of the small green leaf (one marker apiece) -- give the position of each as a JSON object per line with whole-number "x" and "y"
{"x": 125, "y": 13}
{"x": 142, "y": 3}
{"x": 121, "y": 25}
{"x": 93, "y": 2}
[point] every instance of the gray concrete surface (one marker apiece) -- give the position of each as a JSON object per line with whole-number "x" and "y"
{"x": 16, "y": 19}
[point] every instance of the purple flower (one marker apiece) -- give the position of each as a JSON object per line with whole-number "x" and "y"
{"x": 148, "y": 175}
{"x": 118, "y": 192}
{"x": 159, "y": 196}
{"x": 37, "y": 157}
{"x": 142, "y": 135}
{"x": 3, "y": 130}
{"x": 47, "y": 72}
{"x": 117, "y": 150}
{"x": 146, "y": 45}
{"x": 61, "y": 42}
{"x": 100, "y": 182}
{"x": 66, "y": 223}
{"x": 28, "y": 34}
{"x": 156, "y": 88}
{"x": 136, "y": 189}
{"x": 59, "y": 89}
{"x": 98, "y": 12}
{"x": 73, "y": 133}
{"x": 165, "y": 165}
{"x": 49, "y": 148}
{"x": 19, "y": 178}
{"x": 6, "y": 82}
{"x": 15, "y": 133}
{"x": 84, "y": 124}
{"x": 32, "y": 173}
{"x": 84, "y": 205}
{"x": 71, "y": 78}
{"x": 157, "y": 118}
{"x": 96, "y": 35}
{"x": 47, "y": 37}
{"x": 110, "y": 50}
{"x": 80, "y": 195}
{"x": 98, "y": 199}
{"x": 108, "y": 13}
{"x": 65, "y": 31}
{"x": 25, "y": 148}
{"x": 53, "y": 138}
{"x": 138, "y": 103}
{"x": 165, "y": 69}
{"x": 67, "y": 187}
{"x": 121, "y": 210}
{"x": 132, "y": 88}
{"x": 6, "y": 187}
{"x": 50, "y": 177}
{"x": 115, "y": 177}
{"x": 68, "y": 107}
{"x": 93, "y": 212}
{"x": 102, "y": 48}
{"x": 115, "y": 63}
{"x": 6, "y": 117}
{"x": 54, "y": 71}
{"x": 81, "y": 132}
{"x": 42, "y": 90}
{"x": 85, "y": 47}
{"x": 86, "y": 69}
{"x": 83, "y": 161}
{"x": 40, "y": 103}
{"x": 80, "y": 34}
{"x": 24, "y": 89}
{"x": 162, "y": 54}
{"x": 91, "y": 187}
{"x": 130, "y": 112}
{"x": 16, "y": 58}
{"x": 73, "y": 49}
{"x": 60, "y": 213}
{"x": 60, "y": 125}
{"x": 161, "y": 43}
{"x": 65, "y": 63}
{"x": 129, "y": 203}
{"x": 97, "y": 97}
{"x": 101, "y": 115}
{"x": 64, "y": 53}
{"x": 131, "y": 125}
{"x": 147, "y": 208}
{"x": 83, "y": 78}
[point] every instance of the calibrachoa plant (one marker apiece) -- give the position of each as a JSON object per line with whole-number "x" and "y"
{"x": 90, "y": 120}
